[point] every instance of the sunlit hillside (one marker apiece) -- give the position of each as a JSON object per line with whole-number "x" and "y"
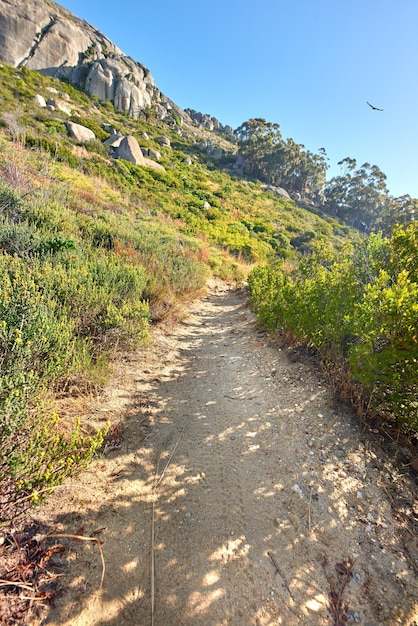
{"x": 95, "y": 249}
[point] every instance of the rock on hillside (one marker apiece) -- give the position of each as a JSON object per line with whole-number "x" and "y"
{"x": 210, "y": 123}
{"x": 42, "y": 35}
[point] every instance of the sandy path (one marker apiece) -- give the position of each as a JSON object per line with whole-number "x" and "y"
{"x": 230, "y": 454}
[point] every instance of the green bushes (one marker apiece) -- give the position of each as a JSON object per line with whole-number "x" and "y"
{"x": 359, "y": 310}
{"x": 91, "y": 290}
{"x": 92, "y": 249}
{"x": 36, "y": 348}
{"x": 57, "y": 313}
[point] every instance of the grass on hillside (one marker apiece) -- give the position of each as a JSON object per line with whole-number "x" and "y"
{"x": 95, "y": 249}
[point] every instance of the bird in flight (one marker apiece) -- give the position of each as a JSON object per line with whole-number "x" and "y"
{"x": 374, "y": 108}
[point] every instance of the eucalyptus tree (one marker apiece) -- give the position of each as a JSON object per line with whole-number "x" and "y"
{"x": 361, "y": 198}
{"x": 258, "y": 142}
{"x": 271, "y": 159}
{"x": 357, "y": 196}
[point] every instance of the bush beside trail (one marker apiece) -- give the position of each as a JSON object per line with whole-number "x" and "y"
{"x": 358, "y": 309}
{"x": 73, "y": 288}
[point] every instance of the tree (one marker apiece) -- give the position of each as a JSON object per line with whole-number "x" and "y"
{"x": 360, "y": 197}
{"x": 273, "y": 160}
{"x": 258, "y": 141}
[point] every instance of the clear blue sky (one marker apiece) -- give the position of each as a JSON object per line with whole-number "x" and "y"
{"x": 308, "y": 65}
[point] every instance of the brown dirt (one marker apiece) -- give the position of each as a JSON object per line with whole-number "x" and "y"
{"x": 235, "y": 491}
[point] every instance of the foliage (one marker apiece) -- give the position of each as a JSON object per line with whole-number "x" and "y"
{"x": 36, "y": 347}
{"x": 273, "y": 160}
{"x": 94, "y": 249}
{"x": 359, "y": 310}
{"x": 360, "y": 198}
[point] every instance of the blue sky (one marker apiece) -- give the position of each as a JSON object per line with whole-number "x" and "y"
{"x": 308, "y": 65}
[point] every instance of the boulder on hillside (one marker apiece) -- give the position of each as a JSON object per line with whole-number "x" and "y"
{"x": 114, "y": 140}
{"x": 108, "y": 128}
{"x": 154, "y": 154}
{"x": 217, "y": 153}
{"x": 39, "y": 100}
{"x": 154, "y": 165}
{"x": 61, "y": 106}
{"x": 80, "y": 133}
{"x": 129, "y": 150}
{"x": 278, "y": 191}
{"x": 164, "y": 141}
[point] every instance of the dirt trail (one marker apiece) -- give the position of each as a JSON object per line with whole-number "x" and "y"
{"x": 232, "y": 491}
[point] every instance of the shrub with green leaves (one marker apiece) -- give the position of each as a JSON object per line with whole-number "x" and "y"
{"x": 36, "y": 348}
{"x": 359, "y": 310}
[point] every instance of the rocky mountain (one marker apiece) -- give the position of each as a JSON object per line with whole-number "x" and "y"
{"x": 44, "y": 36}
{"x": 210, "y": 123}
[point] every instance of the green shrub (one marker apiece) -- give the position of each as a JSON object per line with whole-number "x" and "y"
{"x": 36, "y": 348}
{"x": 359, "y": 310}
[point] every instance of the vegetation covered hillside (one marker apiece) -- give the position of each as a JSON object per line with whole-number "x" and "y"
{"x": 94, "y": 249}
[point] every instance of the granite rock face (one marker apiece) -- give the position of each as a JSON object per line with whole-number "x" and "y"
{"x": 41, "y": 35}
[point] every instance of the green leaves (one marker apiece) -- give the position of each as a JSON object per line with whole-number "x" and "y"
{"x": 274, "y": 160}
{"x": 360, "y": 197}
{"x": 359, "y": 310}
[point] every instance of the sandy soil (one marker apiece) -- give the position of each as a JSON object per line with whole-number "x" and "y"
{"x": 235, "y": 492}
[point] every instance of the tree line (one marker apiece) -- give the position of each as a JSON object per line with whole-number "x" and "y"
{"x": 358, "y": 196}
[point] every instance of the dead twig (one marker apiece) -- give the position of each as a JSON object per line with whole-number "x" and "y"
{"x": 11, "y": 583}
{"x": 157, "y": 482}
{"x": 81, "y": 538}
{"x": 278, "y": 571}
{"x": 153, "y": 563}
{"x": 242, "y": 397}
{"x": 309, "y": 511}
{"x": 168, "y": 462}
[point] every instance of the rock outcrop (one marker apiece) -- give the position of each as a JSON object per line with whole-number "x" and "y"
{"x": 210, "y": 123}
{"x": 44, "y": 36}
{"x": 41, "y": 35}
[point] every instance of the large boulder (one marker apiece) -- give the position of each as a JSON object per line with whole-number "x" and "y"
{"x": 59, "y": 105}
{"x": 217, "y": 153}
{"x": 114, "y": 140}
{"x": 154, "y": 165}
{"x": 164, "y": 141}
{"x": 154, "y": 154}
{"x": 39, "y": 100}
{"x": 278, "y": 191}
{"x": 129, "y": 150}
{"x": 80, "y": 133}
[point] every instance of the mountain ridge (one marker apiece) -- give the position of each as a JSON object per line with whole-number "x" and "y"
{"x": 46, "y": 37}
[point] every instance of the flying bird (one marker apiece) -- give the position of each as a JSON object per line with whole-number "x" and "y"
{"x": 374, "y": 108}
